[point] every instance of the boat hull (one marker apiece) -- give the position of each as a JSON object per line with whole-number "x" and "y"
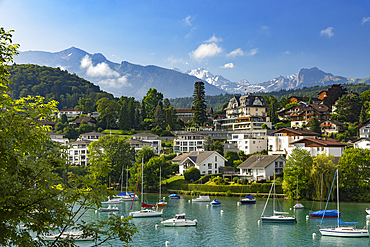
{"x": 146, "y": 213}
{"x": 278, "y": 219}
{"x": 298, "y": 206}
{"x": 248, "y": 201}
{"x": 328, "y": 214}
{"x": 162, "y": 204}
{"x": 179, "y": 224}
{"x": 348, "y": 232}
{"x": 76, "y": 236}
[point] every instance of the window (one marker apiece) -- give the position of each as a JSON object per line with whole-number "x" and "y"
{"x": 246, "y": 142}
{"x": 76, "y": 152}
{"x": 215, "y": 165}
{"x": 209, "y": 171}
{"x": 216, "y": 158}
{"x": 209, "y": 165}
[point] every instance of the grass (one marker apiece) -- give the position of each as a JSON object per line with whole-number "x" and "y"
{"x": 175, "y": 182}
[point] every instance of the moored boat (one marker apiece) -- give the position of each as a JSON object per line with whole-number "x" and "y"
{"x": 215, "y": 203}
{"x": 174, "y": 196}
{"x": 332, "y": 213}
{"x": 113, "y": 201}
{"x": 75, "y": 235}
{"x": 179, "y": 220}
{"x": 109, "y": 209}
{"x": 343, "y": 229}
{"x": 201, "y": 199}
{"x": 248, "y": 200}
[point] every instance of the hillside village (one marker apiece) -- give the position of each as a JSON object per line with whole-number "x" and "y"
{"x": 244, "y": 127}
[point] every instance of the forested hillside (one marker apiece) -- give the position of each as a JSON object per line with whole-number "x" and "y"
{"x": 53, "y": 84}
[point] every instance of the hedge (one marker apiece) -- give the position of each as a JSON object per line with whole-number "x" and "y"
{"x": 253, "y": 188}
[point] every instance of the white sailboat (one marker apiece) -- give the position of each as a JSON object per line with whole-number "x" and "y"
{"x": 161, "y": 202}
{"x": 343, "y": 229}
{"x": 179, "y": 220}
{"x": 277, "y": 217}
{"x": 145, "y": 211}
{"x": 201, "y": 198}
{"x": 126, "y": 196}
{"x": 298, "y": 205}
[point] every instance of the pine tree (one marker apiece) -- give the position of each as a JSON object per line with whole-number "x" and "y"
{"x": 315, "y": 125}
{"x": 363, "y": 115}
{"x": 158, "y": 117}
{"x": 199, "y": 104}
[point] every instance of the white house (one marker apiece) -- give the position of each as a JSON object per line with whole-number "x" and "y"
{"x": 208, "y": 162}
{"x": 363, "y": 142}
{"x": 77, "y": 153}
{"x": 248, "y": 144}
{"x": 156, "y": 143}
{"x": 364, "y": 129}
{"x": 280, "y": 141}
{"x": 188, "y": 142}
{"x": 90, "y": 136}
{"x": 58, "y": 138}
{"x": 320, "y": 146}
{"x": 139, "y": 144}
{"x": 258, "y": 167}
{"x": 70, "y": 113}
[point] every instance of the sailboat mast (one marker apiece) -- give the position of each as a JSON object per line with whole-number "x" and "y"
{"x": 297, "y": 189}
{"x": 273, "y": 204}
{"x": 338, "y": 195}
{"x": 160, "y": 182}
{"x": 322, "y": 181}
{"x": 142, "y": 180}
{"x": 126, "y": 179}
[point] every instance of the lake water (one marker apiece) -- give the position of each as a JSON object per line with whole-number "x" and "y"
{"x": 237, "y": 225}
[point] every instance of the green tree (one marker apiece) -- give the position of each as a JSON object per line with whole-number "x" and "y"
{"x": 151, "y": 100}
{"x": 349, "y": 108}
{"x": 363, "y": 114}
{"x": 218, "y": 147}
{"x": 298, "y": 164}
{"x": 108, "y": 110}
{"x": 192, "y": 174}
{"x": 355, "y": 170}
{"x": 158, "y": 117}
{"x": 207, "y": 144}
{"x": 64, "y": 119}
{"x": 107, "y": 156}
{"x": 123, "y": 121}
{"x": 198, "y": 105}
{"x": 333, "y": 94}
{"x": 85, "y": 105}
{"x": 231, "y": 156}
{"x": 85, "y": 127}
{"x": 32, "y": 190}
{"x": 322, "y": 173}
{"x": 315, "y": 125}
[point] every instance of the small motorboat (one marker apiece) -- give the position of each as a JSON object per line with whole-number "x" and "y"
{"x": 109, "y": 209}
{"x": 298, "y": 206}
{"x": 248, "y": 200}
{"x": 75, "y": 235}
{"x": 215, "y": 203}
{"x": 113, "y": 201}
{"x": 201, "y": 199}
{"x": 367, "y": 211}
{"x": 179, "y": 220}
{"x": 146, "y": 213}
{"x": 161, "y": 203}
{"x": 174, "y": 196}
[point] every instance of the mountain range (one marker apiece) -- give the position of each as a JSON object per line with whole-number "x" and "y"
{"x": 135, "y": 80}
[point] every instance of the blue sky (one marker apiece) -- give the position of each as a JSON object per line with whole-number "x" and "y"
{"x": 252, "y": 40}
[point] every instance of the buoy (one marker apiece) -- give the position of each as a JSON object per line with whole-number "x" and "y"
{"x": 96, "y": 211}
{"x": 307, "y": 216}
{"x": 221, "y": 211}
{"x": 122, "y": 217}
{"x": 313, "y": 235}
{"x": 238, "y": 203}
{"x": 290, "y": 209}
{"x": 156, "y": 225}
{"x": 189, "y": 201}
{"x": 207, "y": 205}
{"x": 258, "y": 222}
{"x": 167, "y": 242}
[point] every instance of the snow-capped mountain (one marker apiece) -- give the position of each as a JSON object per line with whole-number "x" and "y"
{"x": 219, "y": 81}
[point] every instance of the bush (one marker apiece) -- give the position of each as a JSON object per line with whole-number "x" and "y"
{"x": 235, "y": 180}
{"x": 192, "y": 174}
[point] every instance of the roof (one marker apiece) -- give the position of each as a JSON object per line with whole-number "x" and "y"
{"x": 319, "y": 108}
{"x": 300, "y": 132}
{"x": 364, "y": 123}
{"x": 70, "y": 110}
{"x": 46, "y": 122}
{"x": 145, "y": 134}
{"x": 55, "y": 134}
{"x": 80, "y": 142}
{"x": 135, "y": 141}
{"x": 92, "y": 133}
{"x": 260, "y": 161}
{"x": 320, "y": 142}
{"x": 189, "y": 133}
{"x": 333, "y": 122}
{"x": 189, "y": 111}
{"x": 195, "y": 156}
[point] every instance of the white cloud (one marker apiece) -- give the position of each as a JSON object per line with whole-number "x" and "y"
{"x": 287, "y": 52}
{"x": 228, "y": 66}
{"x": 191, "y": 32}
{"x": 100, "y": 70}
{"x": 253, "y": 52}
{"x": 236, "y": 52}
{"x": 173, "y": 60}
{"x": 206, "y": 50}
{"x": 265, "y": 28}
{"x": 365, "y": 19}
{"x": 187, "y": 21}
{"x": 327, "y": 32}
{"x": 213, "y": 39}
{"x": 86, "y": 62}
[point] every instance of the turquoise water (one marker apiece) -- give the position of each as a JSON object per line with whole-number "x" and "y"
{"x": 237, "y": 225}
